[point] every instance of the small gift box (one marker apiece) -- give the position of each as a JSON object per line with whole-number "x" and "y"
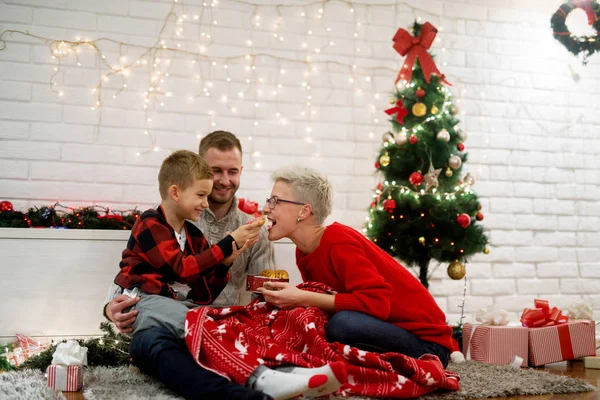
{"x": 493, "y": 341}
{"x": 66, "y": 371}
{"x": 67, "y": 378}
{"x": 493, "y": 344}
{"x": 553, "y": 338}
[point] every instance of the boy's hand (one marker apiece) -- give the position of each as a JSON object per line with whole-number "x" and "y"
{"x": 248, "y": 232}
{"x": 237, "y": 251}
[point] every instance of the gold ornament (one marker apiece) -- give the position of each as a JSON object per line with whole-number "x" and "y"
{"x": 384, "y": 160}
{"x": 449, "y": 173}
{"x": 434, "y": 109}
{"x": 486, "y": 251}
{"x": 454, "y": 110}
{"x": 419, "y": 109}
{"x": 422, "y": 240}
{"x": 392, "y": 100}
{"x": 456, "y": 270}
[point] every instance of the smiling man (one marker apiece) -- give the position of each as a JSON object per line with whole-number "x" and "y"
{"x": 223, "y": 152}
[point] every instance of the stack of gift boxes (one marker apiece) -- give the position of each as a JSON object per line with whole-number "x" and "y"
{"x": 545, "y": 336}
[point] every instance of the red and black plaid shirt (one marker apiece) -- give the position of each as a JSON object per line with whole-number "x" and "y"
{"x": 153, "y": 259}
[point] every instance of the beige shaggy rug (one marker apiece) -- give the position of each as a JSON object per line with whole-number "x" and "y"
{"x": 477, "y": 381}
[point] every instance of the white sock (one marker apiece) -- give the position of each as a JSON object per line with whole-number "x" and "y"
{"x": 336, "y": 376}
{"x": 281, "y": 385}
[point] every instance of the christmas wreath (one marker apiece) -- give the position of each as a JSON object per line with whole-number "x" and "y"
{"x": 577, "y": 44}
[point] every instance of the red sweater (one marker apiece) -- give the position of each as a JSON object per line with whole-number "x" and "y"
{"x": 370, "y": 281}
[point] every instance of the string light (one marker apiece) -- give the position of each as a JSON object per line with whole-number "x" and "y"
{"x": 159, "y": 57}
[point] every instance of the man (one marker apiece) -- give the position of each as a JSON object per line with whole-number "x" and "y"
{"x": 156, "y": 350}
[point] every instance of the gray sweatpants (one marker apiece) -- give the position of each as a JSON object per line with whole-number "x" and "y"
{"x": 159, "y": 311}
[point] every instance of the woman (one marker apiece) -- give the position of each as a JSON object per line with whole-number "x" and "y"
{"x": 379, "y": 306}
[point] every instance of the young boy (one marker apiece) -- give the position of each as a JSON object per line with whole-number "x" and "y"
{"x": 164, "y": 248}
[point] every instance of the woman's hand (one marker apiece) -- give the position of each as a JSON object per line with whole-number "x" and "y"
{"x": 289, "y": 296}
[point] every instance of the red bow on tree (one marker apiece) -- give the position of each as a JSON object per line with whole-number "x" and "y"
{"x": 399, "y": 110}
{"x": 416, "y": 47}
{"x": 249, "y": 207}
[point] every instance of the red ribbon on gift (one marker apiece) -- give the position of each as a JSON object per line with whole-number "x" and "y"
{"x": 542, "y": 315}
{"x": 416, "y": 47}
{"x": 249, "y": 207}
{"x": 399, "y": 110}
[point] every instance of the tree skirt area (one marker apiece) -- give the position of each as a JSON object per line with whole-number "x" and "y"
{"x": 477, "y": 381}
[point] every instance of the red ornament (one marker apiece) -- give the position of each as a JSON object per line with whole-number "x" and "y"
{"x": 416, "y": 178}
{"x": 460, "y": 147}
{"x": 249, "y": 207}
{"x": 379, "y": 186}
{"x": 399, "y": 110}
{"x": 6, "y": 206}
{"x": 420, "y": 93}
{"x": 479, "y": 216}
{"x": 389, "y": 205}
{"x": 373, "y": 204}
{"x": 463, "y": 220}
{"x": 377, "y": 165}
{"x": 413, "y": 139}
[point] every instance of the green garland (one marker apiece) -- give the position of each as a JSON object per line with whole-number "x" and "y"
{"x": 110, "y": 350}
{"x": 58, "y": 216}
{"x": 587, "y": 45}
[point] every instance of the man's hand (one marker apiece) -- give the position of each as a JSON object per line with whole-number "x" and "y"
{"x": 114, "y": 311}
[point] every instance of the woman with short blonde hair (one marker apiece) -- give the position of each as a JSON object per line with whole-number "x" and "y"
{"x": 379, "y": 305}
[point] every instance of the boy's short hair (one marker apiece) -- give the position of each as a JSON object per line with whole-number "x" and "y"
{"x": 181, "y": 168}
{"x": 221, "y": 140}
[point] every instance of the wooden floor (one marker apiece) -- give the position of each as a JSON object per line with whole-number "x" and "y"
{"x": 573, "y": 369}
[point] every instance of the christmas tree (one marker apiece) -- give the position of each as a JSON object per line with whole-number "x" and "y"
{"x": 422, "y": 208}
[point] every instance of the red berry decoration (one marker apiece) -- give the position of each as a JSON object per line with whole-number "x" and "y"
{"x": 463, "y": 220}
{"x": 416, "y": 178}
{"x": 479, "y": 216}
{"x": 420, "y": 93}
{"x": 413, "y": 139}
{"x": 377, "y": 165}
{"x": 460, "y": 147}
{"x": 389, "y": 205}
{"x": 6, "y": 206}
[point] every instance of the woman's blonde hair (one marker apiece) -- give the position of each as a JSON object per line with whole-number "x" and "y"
{"x": 310, "y": 187}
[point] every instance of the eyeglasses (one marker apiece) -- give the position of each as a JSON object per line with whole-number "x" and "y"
{"x": 272, "y": 202}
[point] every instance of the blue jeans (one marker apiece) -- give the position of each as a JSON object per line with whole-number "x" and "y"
{"x": 160, "y": 354}
{"x": 372, "y": 334}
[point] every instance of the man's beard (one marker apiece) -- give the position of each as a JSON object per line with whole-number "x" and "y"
{"x": 222, "y": 200}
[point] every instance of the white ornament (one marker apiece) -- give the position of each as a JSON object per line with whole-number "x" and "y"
{"x": 469, "y": 179}
{"x": 462, "y": 135}
{"x": 454, "y": 162}
{"x": 400, "y": 139}
{"x": 443, "y": 135}
{"x": 387, "y": 137}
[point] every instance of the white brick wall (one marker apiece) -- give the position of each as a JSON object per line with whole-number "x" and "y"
{"x": 533, "y": 128}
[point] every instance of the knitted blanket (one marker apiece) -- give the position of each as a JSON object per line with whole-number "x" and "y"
{"x": 234, "y": 341}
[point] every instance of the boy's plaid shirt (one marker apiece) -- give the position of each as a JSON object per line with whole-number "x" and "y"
{"x": 153, "y": 259}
